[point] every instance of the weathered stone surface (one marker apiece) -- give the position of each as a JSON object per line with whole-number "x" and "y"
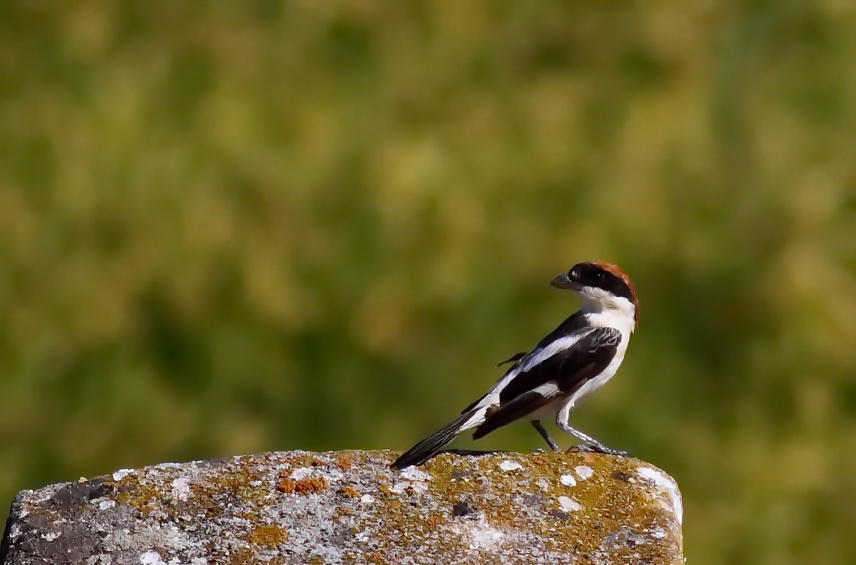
{"x": 349, "y": 507}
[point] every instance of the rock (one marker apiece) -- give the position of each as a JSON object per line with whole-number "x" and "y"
{"x": 350, "y": 507}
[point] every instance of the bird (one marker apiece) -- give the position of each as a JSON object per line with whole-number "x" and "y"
{"x": 571, "y": 362}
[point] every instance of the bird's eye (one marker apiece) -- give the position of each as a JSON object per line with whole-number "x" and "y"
{"x": 598, "y": 278}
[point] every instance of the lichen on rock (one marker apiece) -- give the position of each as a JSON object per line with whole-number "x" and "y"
{"x": 350, "y": 507}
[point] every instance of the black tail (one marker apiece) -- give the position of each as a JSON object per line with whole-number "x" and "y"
{"x": 428, "y": 447}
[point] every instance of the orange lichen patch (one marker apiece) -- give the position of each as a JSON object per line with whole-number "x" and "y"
{"x": 303, "y": 486}
{"x": 434, "y": 521}
{"x": 349, "y": 492}
{"x": 287, "y": 486}
{"x": 268, "y": 535}
{"x": 309, "y": 486}
{"x": 345, "y": 461}
{"x": 317, "y": 463}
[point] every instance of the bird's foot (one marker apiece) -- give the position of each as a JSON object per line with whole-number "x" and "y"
{"x": 597, "y": 447}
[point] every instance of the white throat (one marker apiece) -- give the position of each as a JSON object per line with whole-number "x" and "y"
{"x": 606, "y": 309}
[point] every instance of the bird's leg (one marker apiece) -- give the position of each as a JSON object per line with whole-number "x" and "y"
{"x": 589, "y": 443}
{"x": 598, "y": 447}
{"x": 537, "y": 425}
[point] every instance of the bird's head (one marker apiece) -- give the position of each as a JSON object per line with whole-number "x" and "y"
{"x": 601, "y": 285}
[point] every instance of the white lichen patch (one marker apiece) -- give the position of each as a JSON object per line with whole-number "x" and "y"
{"x": 419, "y": 487}
{"x": 414, "y": 474}
{"x": 567, "y": 504}
{"x": 485, "y": 537}
{"x": 414, "y": 481}
{"x": 121, "y": 474}
{"x": 169, "y": 465}
{"x": 568, "y": 480}
{"x": 667, "y": 485}
{"x": 300, "y": 473}
{"x": 399, "y": 487}
{"x": 106, "y": 504}
{"x": 50, "y": 536}
{"x": 583, "y": 472}
{"x": 151, "y": 557}
{"x": 366, "y": 499}
{"x": 174, "y": 537}
{"x": 181, "y": 488}
{"x": 509, "y": 465}
{"x": 326, "y": 554}
{"x": 478, "y": 533}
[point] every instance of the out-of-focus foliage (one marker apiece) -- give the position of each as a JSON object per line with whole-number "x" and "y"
{"x": 245, "y": 226}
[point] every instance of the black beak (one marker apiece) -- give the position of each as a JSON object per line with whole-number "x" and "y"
{"x": 563, "y": 281}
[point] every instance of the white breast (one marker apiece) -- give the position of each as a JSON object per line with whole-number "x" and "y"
{"x": 620, "y": 320}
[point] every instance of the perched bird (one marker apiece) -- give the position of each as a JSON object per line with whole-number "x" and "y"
{"x": 574, "y": 360}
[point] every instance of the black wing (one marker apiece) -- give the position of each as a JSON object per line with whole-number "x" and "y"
{"x": 568, "y": 369}
{"x": 573, "y": 323}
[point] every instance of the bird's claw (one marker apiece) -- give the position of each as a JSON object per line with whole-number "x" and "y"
{"x": 598, "y": 448}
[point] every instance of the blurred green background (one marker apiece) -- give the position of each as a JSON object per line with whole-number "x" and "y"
{"x": 235, "y": 227}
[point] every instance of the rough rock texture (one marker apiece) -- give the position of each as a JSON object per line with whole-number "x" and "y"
{"x": 349, "y": 507}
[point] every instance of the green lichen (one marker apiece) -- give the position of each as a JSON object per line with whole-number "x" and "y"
{"x": 154, "y": 490}
{"x": 525, "y": 501}
{"x": 604, "y": 505}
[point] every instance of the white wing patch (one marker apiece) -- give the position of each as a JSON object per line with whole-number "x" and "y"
{"x": 547, "y": 390}
{"x": 539, "y": 356}
{"x": 531, "y": 360}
